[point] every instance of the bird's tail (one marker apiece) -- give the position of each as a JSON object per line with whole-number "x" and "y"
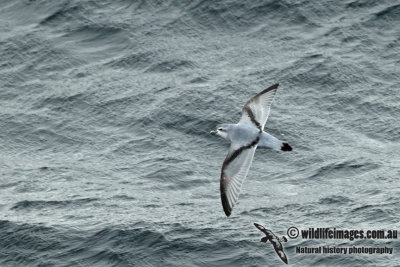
{"x": 286, "y": 147}
{"x": 272, "y": 142}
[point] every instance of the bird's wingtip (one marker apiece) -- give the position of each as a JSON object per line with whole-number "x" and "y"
{"x": 225, "y": 204}
{"x": 272, "y": 87}
{"x": 228, "y": 212}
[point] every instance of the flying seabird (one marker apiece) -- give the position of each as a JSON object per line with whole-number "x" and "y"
{"x": 245, "y": 136}
{"x": 275, "y": 241}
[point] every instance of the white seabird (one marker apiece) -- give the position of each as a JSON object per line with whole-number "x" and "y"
{"x": 245, "y": 136}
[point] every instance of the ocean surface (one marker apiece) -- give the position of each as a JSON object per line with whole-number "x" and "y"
{"x": 106, "y": 108}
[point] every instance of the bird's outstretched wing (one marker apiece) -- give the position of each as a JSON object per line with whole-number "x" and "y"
{"x": 234, "y": 172}
{"x": 260, "y": 227}
{"x": 279, "y": 250}
{"x": 257, "y": 109}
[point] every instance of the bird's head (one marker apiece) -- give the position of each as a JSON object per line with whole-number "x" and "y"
{"x": 221, "y": 130}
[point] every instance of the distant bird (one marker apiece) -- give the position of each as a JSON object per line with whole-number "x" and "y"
{"x": 275, "y": 241}
{"x": 245, "y": 136}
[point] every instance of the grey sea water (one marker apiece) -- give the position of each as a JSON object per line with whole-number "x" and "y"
{"x": 106, "y": 107}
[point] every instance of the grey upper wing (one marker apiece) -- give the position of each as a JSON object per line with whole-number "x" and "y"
{"x": 234, "y": 172}
{"x": 257, "y": 109}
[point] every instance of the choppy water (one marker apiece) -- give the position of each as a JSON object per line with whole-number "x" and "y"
{"x": 105, "y": 156}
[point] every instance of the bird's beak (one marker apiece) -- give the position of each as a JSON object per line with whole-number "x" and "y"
{"x": 213, "y": 132}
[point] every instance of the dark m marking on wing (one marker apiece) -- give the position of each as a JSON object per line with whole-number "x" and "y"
{"x": 237, "y": 152}
{"x": 229, "y": 159}
{"x": 252, "y": 118}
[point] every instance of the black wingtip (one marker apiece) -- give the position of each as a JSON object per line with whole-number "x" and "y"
{"x": 286, "y": 147}
{"x": 274, "y": 86}
{"x": 227, "y": 213}
{"x": 225, "y": 203}
{"x": 269, "y": 88}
